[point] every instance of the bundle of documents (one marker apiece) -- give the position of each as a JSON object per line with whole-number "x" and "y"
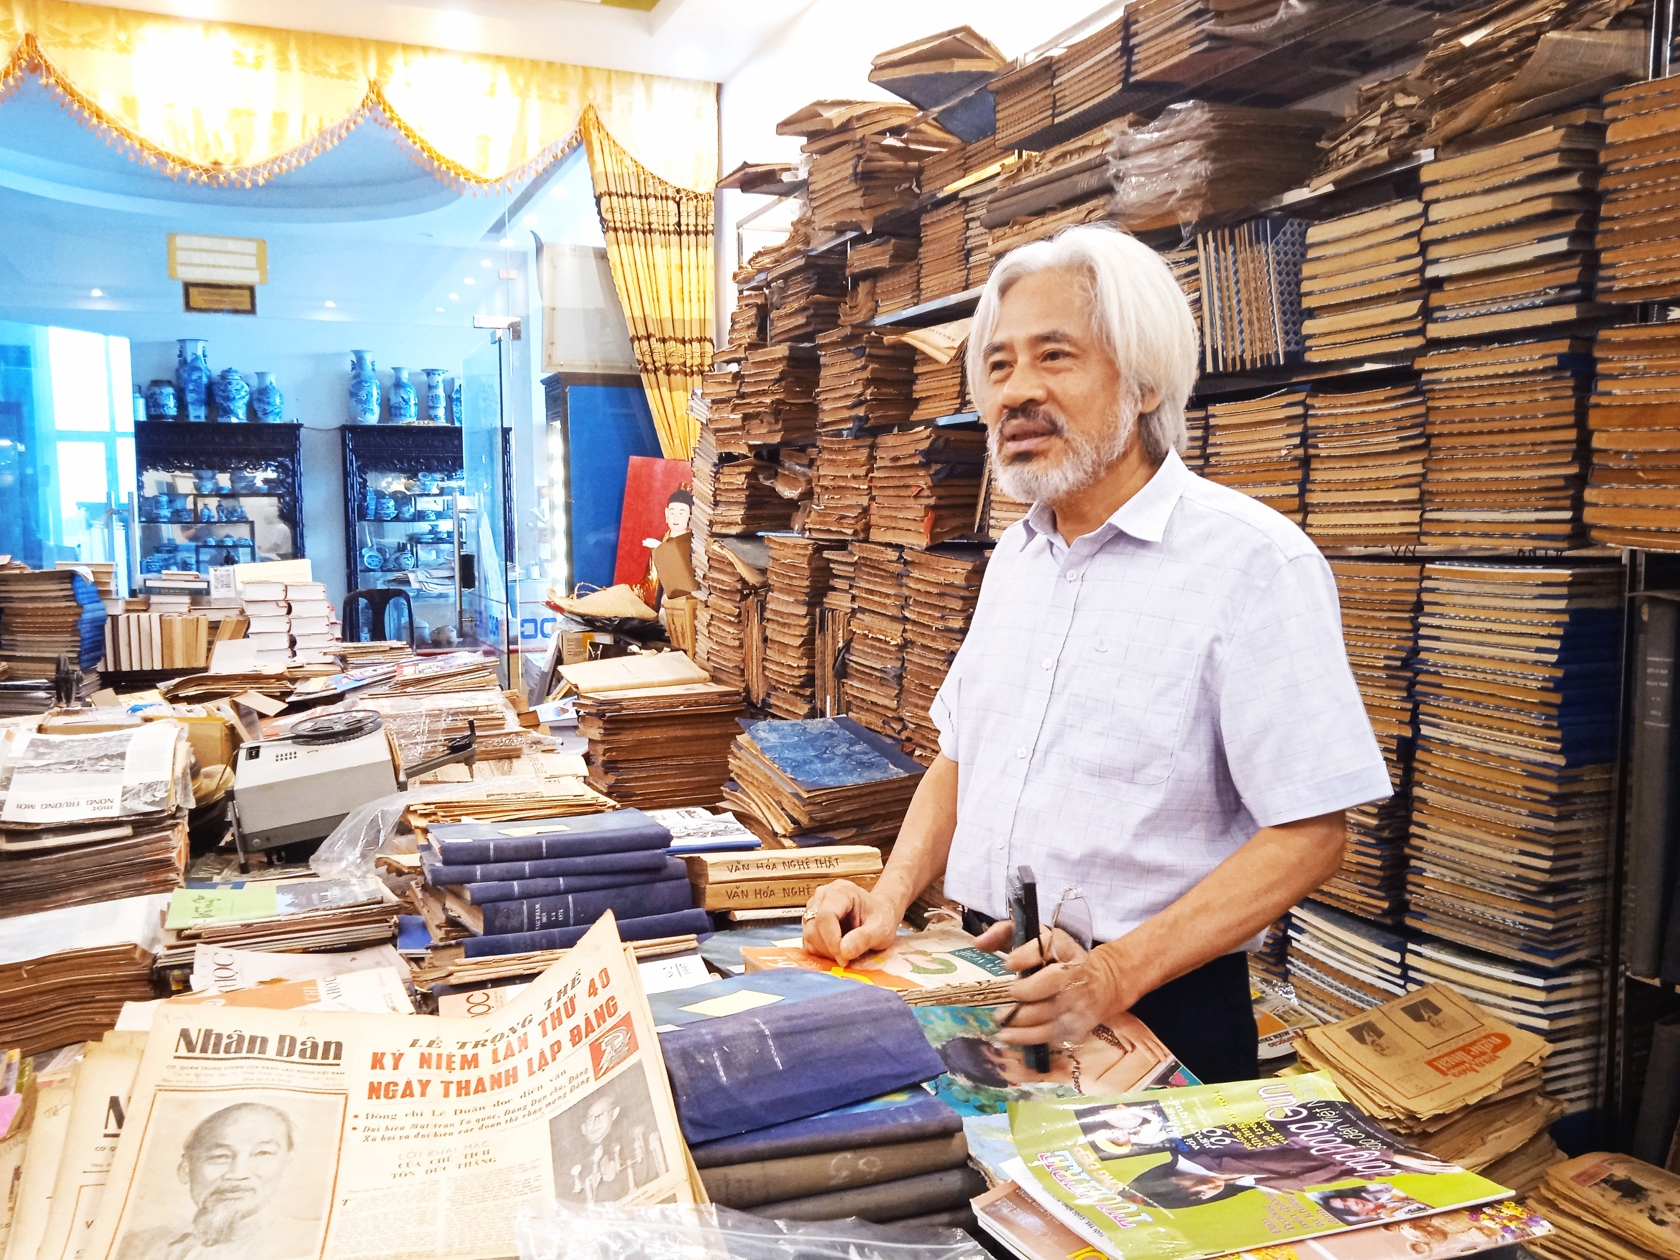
{"x": 1251, "y": 294}
{"x": 898, "y": 288}
{"x": 1517, "y": 672}
{"x": 883, "y": 274}
{"x": 822, "y": 781}
{"x": 280, "y": 916}
{"x": 720, "y": 391}
{"x": 1641, "y": 215}
{"x": 1380, "y": 602}
{"x": 998, "y": 511}
{"x": 46, "y": 613}
{"x": 377, "y": 652}
{"x": 798, "y": 577}
{"x": 865, "y": 159}
{"x": 977, "y": 240}
{"x": 1065, "y": 185}
{"x": 65, "y": 974}
{"x": 1634, "y": 497}
{"x": 805, "y": 296}
{"x": 777, "y": 877}
{"x": 1365, "y": 463}
{"x": 504, "y": 798}
{"x": 730, "y": 624}
{"x": 778, "y": 394}
{"x": 1505, "y": 464}
{"x": 932, "y": 70}
{"x": 1171, "y": 40}
{"x": 1259, "y": 447}
{"x": 1026, "y": 100}
{"x": 967, "y": 161}
{"x": 867, "y": 383}
{"x": 1090, "y": 70}
{"x": 942, "y": 588}
{"x": 442, "y": 675}
{"x": 925, "y": 485}
{"x": 1606, "y": 1204}
{"x": 1510, "y": 235}
{"x": 738, "y": 496}
{"x": 1362, "y": 284}
{"x": 1341, "y": 964}
{"x": 834, "y": 632}
{"x": 840, "y": 492}
{"x": 660, "y": 746}
{"x": 1442, "y": 1072}
{"x": 875, "y": 671}
{"x": 943, "y": 258}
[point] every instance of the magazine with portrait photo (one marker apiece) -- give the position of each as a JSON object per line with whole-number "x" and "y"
{"x": 607, "y": 1144}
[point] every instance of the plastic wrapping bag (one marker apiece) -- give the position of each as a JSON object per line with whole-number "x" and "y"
{"x": 568, "y": 1231}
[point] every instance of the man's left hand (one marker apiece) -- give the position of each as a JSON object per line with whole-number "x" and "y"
{"x": 1063, "y": 1002}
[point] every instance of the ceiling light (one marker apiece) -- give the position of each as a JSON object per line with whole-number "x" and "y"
{"x": 329, "y": 302}
{"x": 468, "y": 280}
{"x": 506, "y": 242}
{"x": 440, "y": 310}
{"x": 530, "y": 220}
{"x": 99, "y": 293}
{"x": 454, "y": 297}
{"x": 484, "y": 262}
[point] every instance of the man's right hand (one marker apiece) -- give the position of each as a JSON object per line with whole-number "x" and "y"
{"x": 843, "y": 921}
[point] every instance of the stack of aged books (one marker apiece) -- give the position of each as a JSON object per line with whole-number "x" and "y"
{"x": 747, "y": 322}
{"x": 806, "y": 291}
{"x": 730, "y": 623}
{"x": 1510, "y": 234}
{"x": 925, "y": 485}
{"x": 1641, "y": 215}
{"x": 771, "y": 879}
{"x": 1362, "y": 284}
{"x": 1026, "y": 100}
{"x": 1251, "y": 294}
{"x": 1090, "y": 70}
{"x": 294, "y": 916}
{"x": 660, "y": 746}
{"x": 867, "y": 383}
{"x": 867, "y": 265}
{"x": 977, "y": 239}
{"x": 778, "y": 395}
{"x": 1194, "y": 453}
{"x": 1634, "y": 498}
{"x": 1186, "y": 266}
{"x": 1380, "y": 604}
{"x": 1487, "y": 1115}
{"x": 491, "y": 800}
{"x": 834, "y": 632}
{"x": 738, "y": 496}
{"x": 1505, "y": 464}
{"x": 943, "y": 259}
{"x": 1605, "y": 1204}
{"x": 1060, "y": 187}
{"x": 1365, "y": 461}
{"x": 998, "y": 511}
{"x": 866, "y": 159}
{"x": 1518, "y": 670}
{"x": 871, "y": 691}
{"x": 840, "y": 499}
{"x": 45, "y": 614}
{"x": 1259, "y": 447}
{"x": 822, "y": 781}
{"x": 941, "y": 381}
{"x": 798, "y": 577}
{"x": 1341, "y": 964}
{"x": 720, "y": 390}
{"x": 942, "y": 588}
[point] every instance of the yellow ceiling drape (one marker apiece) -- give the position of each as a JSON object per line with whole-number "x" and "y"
{"x": 225, "y": 103}
{"x": 660, "y": 246}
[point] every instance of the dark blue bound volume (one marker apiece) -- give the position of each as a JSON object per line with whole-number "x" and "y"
{"x": 686, "y": 923}
{"x": 907, "y": 1116}
{"x": 553, "y": 868}
{"x": 526, "y": 840}
{"x": 787, "y": 1060}
{"x": 633, "y": 901}
{"x": 521, "y": 889}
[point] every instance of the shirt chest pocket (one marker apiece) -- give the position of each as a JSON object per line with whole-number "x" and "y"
{"x": 1129, "y": 706}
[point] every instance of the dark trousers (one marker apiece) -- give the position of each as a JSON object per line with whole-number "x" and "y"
{"x": 1206, "y": 1018}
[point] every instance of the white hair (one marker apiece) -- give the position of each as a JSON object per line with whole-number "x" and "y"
{"x": 1139, "y": 312}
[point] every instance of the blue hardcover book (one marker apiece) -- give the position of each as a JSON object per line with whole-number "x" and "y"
{"x": 526, "y": 889}
{"x": 685, "y": 923}
{"x": 785, "y": 1060}
{"x": 531, "y": 840}
{"x": 698, "y": 1003}
{"x": 822, "y": 753}
{"x": 643, "y": 860}
{"x": 907, "y": 1115}
{"x": 632, "y": 901}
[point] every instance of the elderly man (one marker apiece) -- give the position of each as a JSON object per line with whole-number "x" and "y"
{"x": 1153, "y": 704}
{"x": 233, "y": 1164}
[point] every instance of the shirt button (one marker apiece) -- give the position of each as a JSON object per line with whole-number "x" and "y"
{"x": 1021, "y": 752}
{"x": 999, "y": 846}
{"x": 1073, "y": 575}
{"x": 1049, "y": 661}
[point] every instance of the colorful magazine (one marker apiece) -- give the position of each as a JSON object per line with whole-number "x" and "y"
{"x": 1215, "y": 1169}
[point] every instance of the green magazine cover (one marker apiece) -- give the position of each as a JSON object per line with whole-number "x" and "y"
{"x": 1182, "y": 1174}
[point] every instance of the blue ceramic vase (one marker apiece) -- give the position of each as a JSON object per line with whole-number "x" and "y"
{"x": 233, "y": 395}
{"x": 267, "y": 401}
{"x": 405, "y": 404}
{"x": 455, "y": 401}
{"x": 192, "y": 377}
{"x": 162, "y": 403}
{"x": 364, "y": 388}
{"x": 437, "y": 402}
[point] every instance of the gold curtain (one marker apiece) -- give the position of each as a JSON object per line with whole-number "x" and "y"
{"x": 660, "y": 245}
{"x": 224, "y": 103}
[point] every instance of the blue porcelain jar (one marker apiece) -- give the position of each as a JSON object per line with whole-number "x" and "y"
{"x": 267, "y": 401}
{"x": 364, "y": 388}
{"x": 233, "y": 395}
{"x": 192, "y": 377}
{"x": 162, "y": 403}
{"x": 437, "y": 401}
{"x": 405, "y": 405}
{"x": 455, "y": 401}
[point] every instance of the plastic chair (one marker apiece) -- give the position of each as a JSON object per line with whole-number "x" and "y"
{"x": 377, "y": 601}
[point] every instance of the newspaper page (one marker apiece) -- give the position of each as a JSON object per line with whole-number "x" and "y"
{"x": 103, "y": 1083}
{"x": 1212, "y": 1169}
{"x": 284, "y": 1135}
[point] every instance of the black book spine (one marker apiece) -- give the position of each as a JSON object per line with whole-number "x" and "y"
{"x": 1659, "y": 1108}
{"x": 1650, "y": 775}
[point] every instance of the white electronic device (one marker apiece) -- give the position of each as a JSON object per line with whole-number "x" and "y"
{"x": 301, "y": 786}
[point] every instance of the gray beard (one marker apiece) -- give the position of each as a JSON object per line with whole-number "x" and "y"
{"x": 219, "y": 1219}
{"x": 1084, "y": 461}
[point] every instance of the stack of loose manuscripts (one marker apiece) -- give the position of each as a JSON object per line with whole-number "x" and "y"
{"x": 747, "y": 321}
{"x": 1510, "y": 235}
{"x": 1251, "y": 294}
{"x": 1505, "y": 464}
{"x": 1365, "y": 459}
{"x": 296, "y": 916}
{"x": 1091, "y": 70}
{"x": 867, "y": 383}
{"x": 797, "y": 1093}
{"x": 925, "y": 485}
{"x": 1340, "y": 964}
{"x": 1604, "y": 1204}
{"x": 798, "y": 578}
{"x": 778, "y": 395}
{"x": 998, "y": 511}
{"x": 540, "y": 884}
{"x": 1518, "y": 673}
{"x": 942, "y": 588}
{"x": 943, "y": 260}
{"x": 662, "y": 746}
{"x": 872, "y": 687}
{"x": 1634, "y": 497}
{"x": 840, "y": 492}
{"x": 1380, "y": 605}
{"x": 865, "y": 159}
{"x": 1046, "y": 192}
{"x": 806, "y": 291}
{"x": 720, "y": 389}
{"x": 1259, "y": 447}
{"x": 45, "y": 614}
{"x": 777, "y": 878}
{"x": 740, "y": 497}
{"x": 1640, "y": 220}
{"x": 824, "y": 781}
{"x": 1026, "y": 100}
{"x": 730, "y": 622}
{"x": 1362, "y": 284}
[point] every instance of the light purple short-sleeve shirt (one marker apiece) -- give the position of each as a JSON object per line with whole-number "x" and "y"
{"x": 1128, "y": 711}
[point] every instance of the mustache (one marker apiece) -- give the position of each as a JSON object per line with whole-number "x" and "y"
{"x": 1029, "y": 421}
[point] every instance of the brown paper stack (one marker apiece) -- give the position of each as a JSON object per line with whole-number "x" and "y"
{"x": 925, "y": 485}
{"x": 943, "y": 260}
{"x": 1362, "y": 284}
{"x": 720, "y": 389}
{"x": 1632, "y": 500}
{"x": 662, "y": 746}
{"x": 840, "y": 504}
{"x": 1608, "y": 1207}
{"x": 778, "y": 395}
{"x": 798, "y": 577}
{"x": 875, "y": 671}
{"x": 1365, "y": 460}
{"x": 867, "y": 383}
{"x": 733, "y": 586}
{"x": 942, "y": 588}
{"x": 1259, "y": 448}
